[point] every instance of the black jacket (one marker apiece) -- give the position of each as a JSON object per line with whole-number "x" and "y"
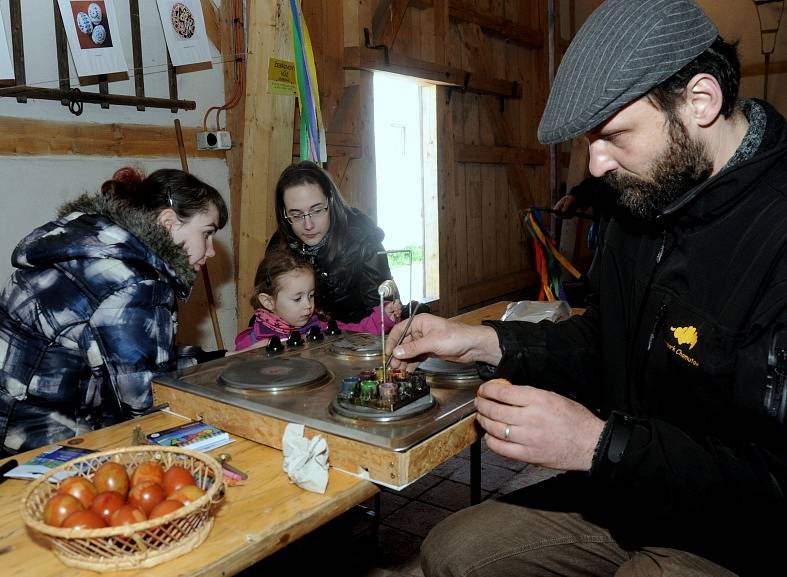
{"x": 348, "y": 292}
{"x": 678, "y": 341}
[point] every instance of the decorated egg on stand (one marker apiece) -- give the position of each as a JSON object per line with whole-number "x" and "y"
{"x": 94, "y": 13}
{"x": 99, "y": 34}
{"x": 84, "y": 24}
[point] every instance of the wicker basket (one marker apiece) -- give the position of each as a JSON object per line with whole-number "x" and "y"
{"x": 134, "y": 546}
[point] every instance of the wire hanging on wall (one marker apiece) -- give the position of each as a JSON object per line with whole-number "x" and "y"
{"x": 769, "y": 13}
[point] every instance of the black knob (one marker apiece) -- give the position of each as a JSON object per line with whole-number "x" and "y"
{"x": 314, "y": 334}
{"x": 333, "y": 328}
{"x": 274, "y": 345}
{"x": 295, "y": 339}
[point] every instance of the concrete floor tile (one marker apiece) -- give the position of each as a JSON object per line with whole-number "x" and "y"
{"x": 416, "y": 518}
{"x": 492, "y": 476}
{"x": 390, "y": 502}
{"x": 449, "y": 495}
{"x": 413, "y": 490}
{"x": 448, "y": 468}
{"x": 490, "y": 458}
{"x": 531, "y": 475}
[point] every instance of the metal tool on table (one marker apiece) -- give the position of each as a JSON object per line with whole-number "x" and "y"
{"x": 232, "y": 471}
{"x": 401, "y": 337}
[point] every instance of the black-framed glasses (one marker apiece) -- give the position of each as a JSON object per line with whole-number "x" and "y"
{"x": 301, "y": 218}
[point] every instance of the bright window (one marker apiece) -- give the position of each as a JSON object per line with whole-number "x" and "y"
{"x": 406, "y": 156}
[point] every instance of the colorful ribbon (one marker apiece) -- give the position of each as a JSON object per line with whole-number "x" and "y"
{"x": 312, "y": 131}
{"x": 547, "y": 258}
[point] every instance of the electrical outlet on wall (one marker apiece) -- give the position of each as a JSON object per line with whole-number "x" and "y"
{"x": 216, "y": 140}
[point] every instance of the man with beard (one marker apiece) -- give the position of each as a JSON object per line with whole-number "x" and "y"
{"x": 664, "y": 404}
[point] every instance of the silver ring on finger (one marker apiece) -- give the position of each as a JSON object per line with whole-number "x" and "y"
{"x": 507, "y": 432}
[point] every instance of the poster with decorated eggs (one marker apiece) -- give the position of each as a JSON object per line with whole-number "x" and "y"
{"x": 184, "y": 31}
{"x": 93, "y": 36}
{"x": 6, "y": 64}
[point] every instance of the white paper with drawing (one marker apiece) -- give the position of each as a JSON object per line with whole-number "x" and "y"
{"x": 6, "y": 64}
{"x": 93, "y": 36}
{"x": 184, "y": 31}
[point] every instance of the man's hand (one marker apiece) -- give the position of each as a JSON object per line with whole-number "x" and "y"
{"x": 537, "y": 426}
{"x": 437, "y": 337}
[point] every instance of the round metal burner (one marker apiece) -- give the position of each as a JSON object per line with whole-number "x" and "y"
{"x": 273, "y": 375}
{"x": 358, "y": 347}
{"x": 417, "y": 407}
{"x": 442, "y": 374}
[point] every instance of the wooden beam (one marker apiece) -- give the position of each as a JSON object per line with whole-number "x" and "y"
{"x": 500, "y": 155}
{"x": 361, "y": 58}
{"x": 497, "y": 26}
{"x": 460, "y": 12}
{"x": 518, "y": 178}
{"x": 212, "y": 27}
{"x": 234, "y": 74}
{"x": 28, "y": 137}
{"x": 492, "y": 288}
{"x": 337, "y": 138}
{"x": 387, "y": 20}
{"x": 267, "y": 143}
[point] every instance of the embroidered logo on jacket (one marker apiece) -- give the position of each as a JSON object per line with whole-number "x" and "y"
{"x": 684, "y": 336}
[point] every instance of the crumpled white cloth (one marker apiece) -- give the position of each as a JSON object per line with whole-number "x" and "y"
{"x": 305, "y": 460}
{"x": 536, "y": 311}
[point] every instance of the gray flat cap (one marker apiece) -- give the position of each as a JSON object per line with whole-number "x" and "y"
{"x": 625, "y": 48}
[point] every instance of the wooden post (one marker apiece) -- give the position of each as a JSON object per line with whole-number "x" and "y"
{"x": 267, "y": 143}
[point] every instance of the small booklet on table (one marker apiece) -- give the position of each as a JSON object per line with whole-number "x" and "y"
{"x": 46, "y": 461}
{"x": 197, "y": 436}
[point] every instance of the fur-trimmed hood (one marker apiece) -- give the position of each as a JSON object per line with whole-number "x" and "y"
{"x": 98, "y": 226}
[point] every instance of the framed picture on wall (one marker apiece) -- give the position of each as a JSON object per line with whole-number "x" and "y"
{"x": 93, "y": 36}
{"x": 184, "y": 31}
{"x": 6, "y": 65}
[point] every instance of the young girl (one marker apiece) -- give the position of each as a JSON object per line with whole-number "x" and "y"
{"x": 284, "y": 289}
{"x": 343, "y": 244}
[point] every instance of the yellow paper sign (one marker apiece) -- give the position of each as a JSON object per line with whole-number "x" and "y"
{"x": 281, "y": 77}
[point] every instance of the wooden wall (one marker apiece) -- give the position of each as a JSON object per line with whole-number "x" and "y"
{"x": 490, "y": 165}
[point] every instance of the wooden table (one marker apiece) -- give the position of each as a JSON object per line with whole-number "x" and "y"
{"x": 255, "y": 519}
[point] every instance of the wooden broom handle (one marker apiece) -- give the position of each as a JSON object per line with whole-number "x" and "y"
{"x": 214, "y": 318}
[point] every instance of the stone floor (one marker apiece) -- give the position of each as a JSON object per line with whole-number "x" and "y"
{"x": 348, "y": 545}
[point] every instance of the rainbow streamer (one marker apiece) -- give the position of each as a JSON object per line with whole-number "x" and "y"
{"x": 547, "y": 257}
{"x": 312, "y": 130}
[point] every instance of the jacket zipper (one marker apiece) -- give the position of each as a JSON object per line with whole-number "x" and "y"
{"x": 654, "y": 330}
{"x": 633, "y": 374}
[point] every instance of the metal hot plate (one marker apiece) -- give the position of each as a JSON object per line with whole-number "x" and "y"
{"x": 273, "y": 375}
{"x": 360, "y": 347}
{"x": 346, "y": 409}
{"x": 442, "y": 374}
{"x": 340, "y": 356}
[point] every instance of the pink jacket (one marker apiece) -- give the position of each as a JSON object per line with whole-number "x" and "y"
{"x": 260, "y": 331}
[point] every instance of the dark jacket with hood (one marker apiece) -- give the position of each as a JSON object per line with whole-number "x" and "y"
{"x": 86, "y": 320}
{"x": 676, "y": 348}
{"x": 347, "y": 291}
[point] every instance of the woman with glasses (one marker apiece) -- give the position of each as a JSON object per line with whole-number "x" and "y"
{"x": 88, "y": 317}
{"x": 342, "y": 243}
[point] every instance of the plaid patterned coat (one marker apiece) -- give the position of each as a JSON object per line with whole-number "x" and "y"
{"x": 87, "y": 318}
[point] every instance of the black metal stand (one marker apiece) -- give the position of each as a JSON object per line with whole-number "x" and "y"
{"x": 475, "y": 472}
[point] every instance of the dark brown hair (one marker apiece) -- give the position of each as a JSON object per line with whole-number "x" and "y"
{"x": 720, "y": 60}
{"x": 307, "y": 172}
{"x": 277, "y": 262}
{"x": 184, "y": 193}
